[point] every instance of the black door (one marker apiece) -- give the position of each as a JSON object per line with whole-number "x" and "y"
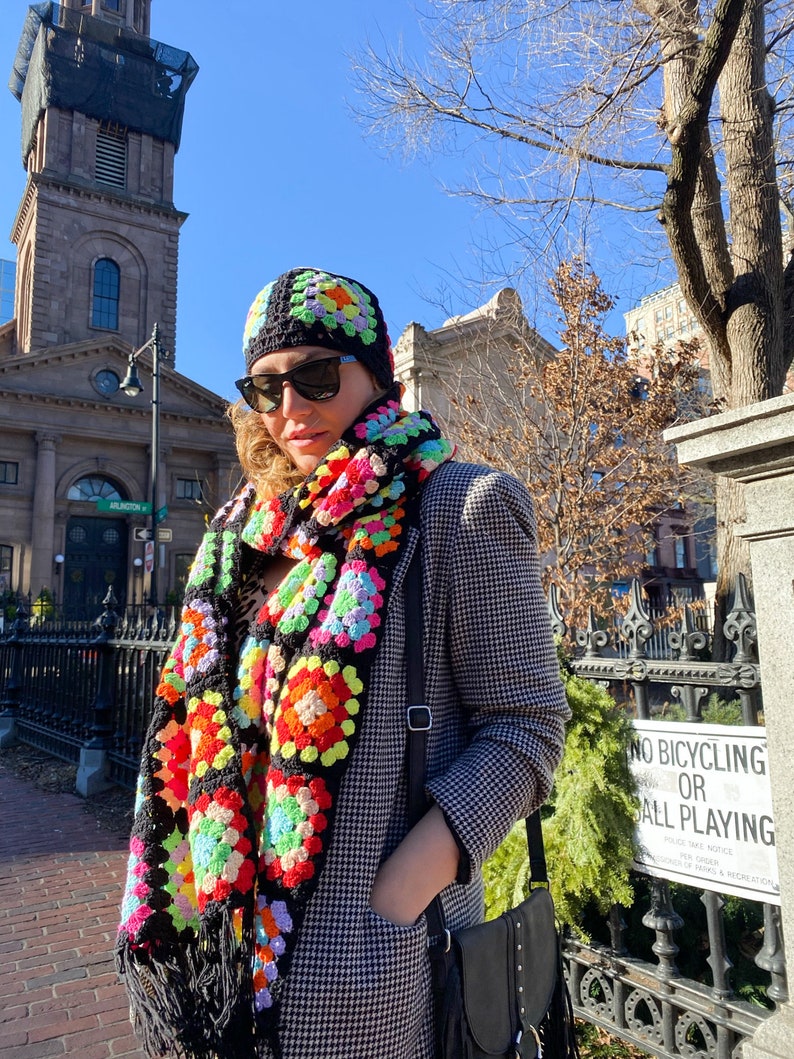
{"x": 95, "y": 559}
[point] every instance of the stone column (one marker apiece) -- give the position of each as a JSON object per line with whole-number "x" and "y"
{"x": 43, "y": 529}
{"x": 755, "y": 445}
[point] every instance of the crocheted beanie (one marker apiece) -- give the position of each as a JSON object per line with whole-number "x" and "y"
{"x": 309, "y": 307}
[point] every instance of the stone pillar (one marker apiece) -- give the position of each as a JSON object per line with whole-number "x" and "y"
{"x": 43, "y": 530}
{"x": 755, "y": 445}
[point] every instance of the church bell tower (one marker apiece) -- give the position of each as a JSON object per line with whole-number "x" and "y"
{"x": 97, "y": 231}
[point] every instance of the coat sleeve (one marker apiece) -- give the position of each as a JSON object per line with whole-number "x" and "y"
{"x": 504, "y": 666}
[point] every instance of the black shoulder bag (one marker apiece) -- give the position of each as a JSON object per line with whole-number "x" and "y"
{"x": 498, "y": 987}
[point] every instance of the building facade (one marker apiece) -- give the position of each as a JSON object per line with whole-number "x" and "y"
{"x": 661, "y": 318}
{"x": 97, "y": 237}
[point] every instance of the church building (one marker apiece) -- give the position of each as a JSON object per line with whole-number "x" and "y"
{"x": 110, "y": 459}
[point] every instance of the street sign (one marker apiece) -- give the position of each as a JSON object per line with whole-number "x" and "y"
{"x": 141, "y": 534}
{"x": 160, "y": 514}
{"x": 124, "y": 507}
{"x": 164, "y": 535}
{"x": 148, "y": 557}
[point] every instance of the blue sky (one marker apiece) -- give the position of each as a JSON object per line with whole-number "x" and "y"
{"x": 274, "y": 172}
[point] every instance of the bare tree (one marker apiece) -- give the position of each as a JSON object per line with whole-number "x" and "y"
{"x": 677, "y": 110}
{"x": 584, "y": 428}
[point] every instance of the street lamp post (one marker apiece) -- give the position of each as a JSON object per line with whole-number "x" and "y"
{"x": 132, "y": 386}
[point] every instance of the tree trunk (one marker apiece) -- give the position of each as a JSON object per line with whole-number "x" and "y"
{"x": 755, "y": 300}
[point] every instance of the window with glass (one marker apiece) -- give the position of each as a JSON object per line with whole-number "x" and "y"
{"x": 94, "y": 487}
{"x": 6, "y": 568}
{"x": 8, "y": 271}
{"x": 679, "y": 545}
{"x": 107, "y": 283}
{"x": 189, "y": 489}
{"x": 9, "y": 473}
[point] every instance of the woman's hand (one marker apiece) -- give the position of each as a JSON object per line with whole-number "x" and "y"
{"x": 422, "y": 865}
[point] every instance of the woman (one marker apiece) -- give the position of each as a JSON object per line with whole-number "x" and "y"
{"x": 276, "y": 893}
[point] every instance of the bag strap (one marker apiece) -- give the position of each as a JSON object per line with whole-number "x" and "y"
{"x": 417, "y": 715}
{"x": 419, "y": 721}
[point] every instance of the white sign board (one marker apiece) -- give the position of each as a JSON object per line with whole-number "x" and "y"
{"x": 706, "y": 808}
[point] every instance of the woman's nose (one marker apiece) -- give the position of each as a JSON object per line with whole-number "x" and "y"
{"x": 292, "y": 404}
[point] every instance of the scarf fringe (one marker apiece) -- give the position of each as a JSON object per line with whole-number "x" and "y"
{"x": 194, "y": 1001}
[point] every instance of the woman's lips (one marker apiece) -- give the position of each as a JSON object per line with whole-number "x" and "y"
{"x": 305, "y": 440}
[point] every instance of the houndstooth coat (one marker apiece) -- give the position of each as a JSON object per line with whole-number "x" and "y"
{"x": 359, "y": 986}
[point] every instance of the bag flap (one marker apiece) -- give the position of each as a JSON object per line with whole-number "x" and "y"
{"x": 485, "y": 983}
{"x": 493, "y": 968}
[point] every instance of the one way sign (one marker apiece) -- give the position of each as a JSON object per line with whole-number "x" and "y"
{"x": 139, "y": 533}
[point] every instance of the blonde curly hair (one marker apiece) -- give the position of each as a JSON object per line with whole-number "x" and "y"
{"x": 262, "y": 461}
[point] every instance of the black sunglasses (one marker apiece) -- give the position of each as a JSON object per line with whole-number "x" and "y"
{"x": 317, "y": 380}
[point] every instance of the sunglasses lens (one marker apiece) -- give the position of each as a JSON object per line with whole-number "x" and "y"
{"x": 318, "y": 381}
{"x": 259, "y": 394}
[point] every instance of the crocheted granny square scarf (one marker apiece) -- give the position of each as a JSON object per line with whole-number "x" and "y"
{"x": 246, "y": 750}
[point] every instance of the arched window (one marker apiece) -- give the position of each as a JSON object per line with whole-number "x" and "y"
{"x": 105, "y": 310}
{"x": 95, "y": 487}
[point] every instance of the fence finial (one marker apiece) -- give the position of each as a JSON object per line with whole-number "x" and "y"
{"x": 740, "y": 627}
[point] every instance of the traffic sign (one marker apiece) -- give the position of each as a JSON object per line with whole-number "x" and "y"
{"x": 139, "y": 533}
{"x": 148, "y": 557}
{"x": 164, "y": 535}
{"x": 125, "y": 507}
{"x": 160, "y": 514}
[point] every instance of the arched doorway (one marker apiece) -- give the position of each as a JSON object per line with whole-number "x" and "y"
{"x": 95, "y": 556}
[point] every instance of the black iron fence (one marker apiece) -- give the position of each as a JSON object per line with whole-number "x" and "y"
{"x": 643, "y": 996}
{"x": 72, "y": 686}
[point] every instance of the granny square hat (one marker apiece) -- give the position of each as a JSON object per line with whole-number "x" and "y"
{"x": 309, "y": 307}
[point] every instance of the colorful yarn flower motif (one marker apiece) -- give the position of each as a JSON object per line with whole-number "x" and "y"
{"x": 249, "y": 693}
{"x": 184, "y": 910}
{"x": 379, "y": 533}
{"x": 202, "y": 567}
{"x": 257, "y": 315}
{"x": 428, "y": 456}
{"x": 174, "y": 758}
{"x": 265, "y": 524}
{"x": 219, "y": 846}
{"x": 376, "y": 423}
{"x": 172, "y": 682}
{"x": 314, "y": 715}
{"x": 353, "y": 488}
{"x": 273, "y": 922}
{"x": 134, "y": 908}
{"x": 291, "y": 606}
{"x": 295, "y": 820}
{"x": 352, "y": 609}
{"x": 335, "y": 303}
{"x": 210, "y": 735}
{"x": 200, "y": 651}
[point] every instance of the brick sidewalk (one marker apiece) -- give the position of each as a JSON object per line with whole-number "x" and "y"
{"x": 61, "y": 878}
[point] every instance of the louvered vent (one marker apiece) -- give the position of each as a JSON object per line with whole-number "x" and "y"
{"x": 111, "y": 158}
